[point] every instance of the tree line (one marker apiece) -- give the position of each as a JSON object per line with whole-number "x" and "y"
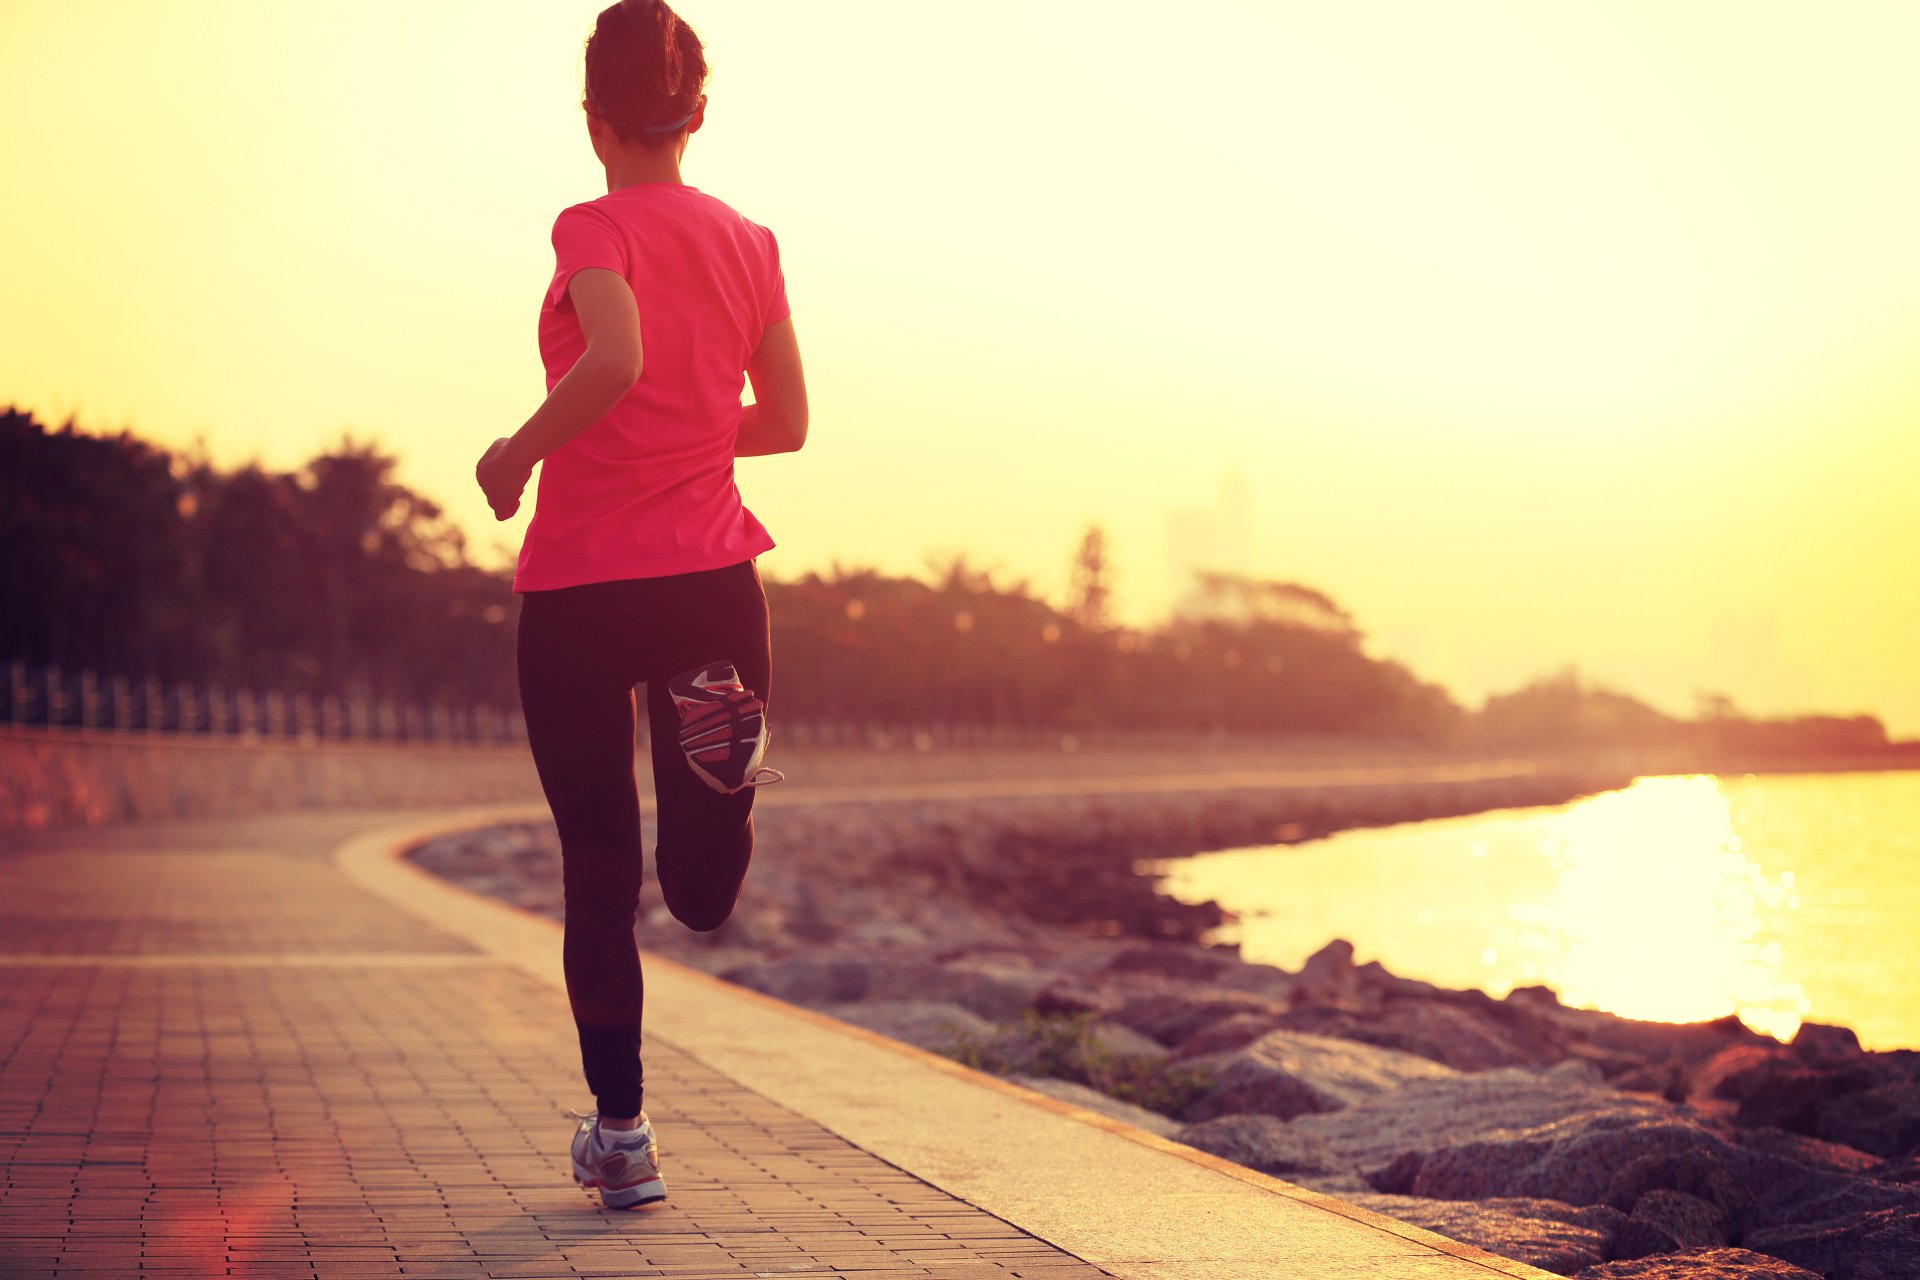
{"x": 126, "y": 558}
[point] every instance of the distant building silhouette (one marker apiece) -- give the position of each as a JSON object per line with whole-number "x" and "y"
{"x": 1215, "y": 539}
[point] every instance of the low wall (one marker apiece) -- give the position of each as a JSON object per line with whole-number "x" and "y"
{"x": 88, "y": 778}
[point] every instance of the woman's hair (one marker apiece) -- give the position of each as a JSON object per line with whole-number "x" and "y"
{"x": 645, "y": 70}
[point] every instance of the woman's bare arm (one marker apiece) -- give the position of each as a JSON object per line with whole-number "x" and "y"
{"x": 605, "y": 371}
{"x": 776, "y": 421}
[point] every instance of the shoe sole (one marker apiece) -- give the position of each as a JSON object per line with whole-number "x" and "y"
{"x": 646, "y": 1191}
{"x": 684, "y": 688}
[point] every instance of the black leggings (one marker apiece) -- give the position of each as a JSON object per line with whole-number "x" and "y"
{"x": 581, "y": 651}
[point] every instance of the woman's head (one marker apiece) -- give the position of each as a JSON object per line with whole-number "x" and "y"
{"x": 645, "y": 72}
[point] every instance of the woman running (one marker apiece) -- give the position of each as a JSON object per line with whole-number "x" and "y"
{"x": 638, "y": 564}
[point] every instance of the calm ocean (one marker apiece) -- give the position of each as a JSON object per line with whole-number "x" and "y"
{"x": 1782, "y": 897}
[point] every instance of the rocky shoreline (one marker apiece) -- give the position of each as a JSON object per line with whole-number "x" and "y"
{"x": 1017, "y": 934}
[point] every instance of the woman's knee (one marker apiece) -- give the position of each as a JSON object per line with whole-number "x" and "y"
{"x": 700, "y": 912}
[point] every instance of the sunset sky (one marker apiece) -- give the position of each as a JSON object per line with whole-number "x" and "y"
{"x": 1533, "y": 333}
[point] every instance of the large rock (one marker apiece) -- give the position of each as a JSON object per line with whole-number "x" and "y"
{"x": 1428, "y": 1115}
{"x": 1699, "y": 1264}
{"x": 1667, "y": 1222}
{"x": 1824, "y": 1199}
{"x": 1701, "y": 1173}
{"x": 807, "y": 980}
{"x": 999, "y": 992}
{"x": 1093, "y": 1100}
{"x": 1290, "y": 1073}
{"x": 1575, "y": 1161}
{"x": 1884, "y": 1245}
{"x": 1265, "y": 1143}
{"x": 1542, "y": 1233}
{"x": 931, "y": 1024}
{"x": 1235, "y": 1031}
{"x": 1173, "y": 1018}
{"x": 1329, "y": 979}
{"x": 1445, "y": 1031}
{"x": 1808, "y": 1151}
{"x": 1787, "y": 1095}
{"x": 1824, "y": 1042}
{"x": 1883, "y": 1120}
{"x": 1173, "y": 960}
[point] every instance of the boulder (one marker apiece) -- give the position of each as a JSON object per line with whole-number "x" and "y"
{"x": 1583, "y": 1158}
{"x": 935, "y": 1025}
{"x": 1701, "y": 1174}
{"x": 1668, "y": 1221}
{"x": 1171, "y": 960}
{"x": 1884, "y": 1245}
{"x": 1699, "y": 1264}
{"x": 1884, "y": 1120}
{"x": 1429, "y": 1115}
{"x": 1290, "y": 1073}
{"x": 1235, "y": 1031}
{"x": 1833, "y": 1199}
{"x": 1264, "y": 1143}
{"x": 1904, "y": 1170}
{"x": 1786, "y": 1095}
{"x": 1669, "y": 1080}
{"x": 1329, "y": 978}
{"x": 806, "y": 980}
{"x": 1822, "y": 1042}
{"x": 1470, "y": 1171}
{"x": 1444, "y": 1031}
{"x": 1173, "y": 1018}
{"x": 1739, "y": 1063}
{"x": 1830, "y": 1156}
{"x": 1064, "y": 996}
{"x": 1093, "y": 1100}
{"x": 1661, "y": 1041}
{"x": 1541, "y": 1233}
{"x": 997, "y": 992}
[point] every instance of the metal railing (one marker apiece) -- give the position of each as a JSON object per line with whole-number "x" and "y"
{"x": 53, "y": 698}
{"x": 50, "y": 697}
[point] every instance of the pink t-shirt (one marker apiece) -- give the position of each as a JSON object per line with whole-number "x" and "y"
{"x": 648, "y": 489}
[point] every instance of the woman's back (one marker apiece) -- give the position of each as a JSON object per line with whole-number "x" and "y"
{"x": 648, "y": 489}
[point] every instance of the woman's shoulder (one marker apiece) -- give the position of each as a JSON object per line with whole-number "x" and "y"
{"x": 722, "y": 211}
{"x": 656, "y": 198}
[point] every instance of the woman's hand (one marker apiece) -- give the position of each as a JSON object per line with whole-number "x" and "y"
{"x": 501, "y": 478}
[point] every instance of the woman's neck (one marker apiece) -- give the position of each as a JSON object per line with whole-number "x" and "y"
{"x": 637, "y": 165}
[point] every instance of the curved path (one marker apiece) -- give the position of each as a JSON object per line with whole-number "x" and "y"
{"x": 270, "y": 1047}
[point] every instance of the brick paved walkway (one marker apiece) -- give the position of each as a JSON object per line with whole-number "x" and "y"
{"x": 220, "y": 1057}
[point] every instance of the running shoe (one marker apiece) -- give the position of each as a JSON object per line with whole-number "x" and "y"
{"x": 623, "y": 1163}
{"x": 723, "y": 728}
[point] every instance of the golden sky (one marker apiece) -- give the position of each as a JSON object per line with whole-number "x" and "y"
{"x": 1534, "y": 334}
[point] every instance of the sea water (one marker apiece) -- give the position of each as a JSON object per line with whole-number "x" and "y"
{"x": 1778, "y": 897}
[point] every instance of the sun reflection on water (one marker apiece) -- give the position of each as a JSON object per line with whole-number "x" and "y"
{"x": 1656, "y": 913}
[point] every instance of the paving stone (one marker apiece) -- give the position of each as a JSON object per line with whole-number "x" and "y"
{"x": 219, "y": 1057}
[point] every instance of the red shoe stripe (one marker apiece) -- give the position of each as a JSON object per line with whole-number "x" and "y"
{"x": 628, "y": 1186}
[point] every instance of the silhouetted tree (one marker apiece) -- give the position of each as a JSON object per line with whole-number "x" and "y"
{"x": 1092, "y": 587}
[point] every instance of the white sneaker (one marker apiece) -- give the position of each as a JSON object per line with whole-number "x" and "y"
{"x": 623, "y": 1163}
{"x": 723, "y": 728}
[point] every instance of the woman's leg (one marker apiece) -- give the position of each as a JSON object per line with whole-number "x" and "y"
{"x": 706, "y": 839}
{"x": 576, "y": 692}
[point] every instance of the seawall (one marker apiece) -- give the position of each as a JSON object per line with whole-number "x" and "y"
{"x": 96, "y": 777}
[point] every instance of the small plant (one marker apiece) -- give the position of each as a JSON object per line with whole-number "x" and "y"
{"x": 1067, "y": 1047}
